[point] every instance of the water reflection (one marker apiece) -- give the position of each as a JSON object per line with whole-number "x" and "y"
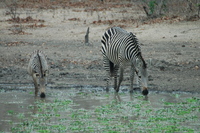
{"x": 127, "y": 97}
{"x": 146, "y": 98}
{"x": 117, "y": 97}
{"x": 13, "y": 103}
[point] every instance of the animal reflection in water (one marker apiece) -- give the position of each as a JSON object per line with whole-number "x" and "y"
{"x": 117, "y": 97}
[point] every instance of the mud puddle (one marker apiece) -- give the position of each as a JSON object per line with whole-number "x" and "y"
{"x": 92, "y": 110}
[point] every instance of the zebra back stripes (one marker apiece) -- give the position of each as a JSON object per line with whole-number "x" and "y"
{"x": 112, "y": 47}
{"x": 38, "y": 63}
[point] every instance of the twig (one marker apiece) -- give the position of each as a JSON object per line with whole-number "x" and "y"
{"x": 87, "y": 37}
{"x": 145, "y": 9}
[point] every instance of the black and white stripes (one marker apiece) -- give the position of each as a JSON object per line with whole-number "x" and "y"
{"x": 38, "y": 63}
{"x": 38, "y": 69}
{"x": 120, "y": 48}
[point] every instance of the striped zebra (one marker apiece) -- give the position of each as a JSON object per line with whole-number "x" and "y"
{"x": 120, "y": 48}
{"x": 38, "y": 69}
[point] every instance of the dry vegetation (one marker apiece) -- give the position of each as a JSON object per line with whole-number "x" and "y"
{"x": 154, "y": 8}
{"x": 157, "y": 11}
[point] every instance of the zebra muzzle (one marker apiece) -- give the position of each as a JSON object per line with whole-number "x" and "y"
{"x": 42, "y": 95}
{"x": 145, "y": 91}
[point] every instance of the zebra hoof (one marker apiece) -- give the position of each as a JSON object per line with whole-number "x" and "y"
{"x": 145, "y": 92}
{"x": 42, "y": 95}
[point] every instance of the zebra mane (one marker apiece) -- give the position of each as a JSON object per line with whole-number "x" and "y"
{"x": 134, "y": 37}
{"x": 118, "y": 29}
{"x": 140, "y": 53}
{"x": 143, "y": 61}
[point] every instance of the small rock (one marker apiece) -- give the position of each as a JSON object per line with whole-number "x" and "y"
{"x": 196, "y": 67}
{"x": 178, "y": 54}
{"x": 175, "y": 35}
{"x": 64, "y": 73}
{"x": 162, "y": 68}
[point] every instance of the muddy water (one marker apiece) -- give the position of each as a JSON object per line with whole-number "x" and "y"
{"x": 22, "y": 101}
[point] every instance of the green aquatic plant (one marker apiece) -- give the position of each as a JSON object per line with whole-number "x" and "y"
{"x": 44, "y": 131}
{"x": 63, "y": 115}
{"x": 21, "y": 115}
{"x": 10, "y": 112}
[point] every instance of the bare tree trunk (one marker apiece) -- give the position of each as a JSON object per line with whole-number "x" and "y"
{"x": 145, "y": 9}
{"x": 87, "y": 36}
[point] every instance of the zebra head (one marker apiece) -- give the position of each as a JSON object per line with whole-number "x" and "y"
{"x": 144, "y": 77}
{"x": 43, "y": 83}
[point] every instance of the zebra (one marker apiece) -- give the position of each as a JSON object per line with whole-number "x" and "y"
{"x": 121, "y": 48}
{"x": 38, "y": 69}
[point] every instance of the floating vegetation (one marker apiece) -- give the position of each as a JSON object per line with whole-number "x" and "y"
{"x": 64, "y": 114}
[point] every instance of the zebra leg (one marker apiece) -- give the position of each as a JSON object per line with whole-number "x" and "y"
{"x": 120, "y": 78}
{"x": 115, "y": 82}
{"x": 115, "y": 77}
{"x": 132, "y": 78}
{"x": 107, "y": 68}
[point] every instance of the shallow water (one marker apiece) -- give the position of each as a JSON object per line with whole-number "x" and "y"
{"x": 16, "y": 105}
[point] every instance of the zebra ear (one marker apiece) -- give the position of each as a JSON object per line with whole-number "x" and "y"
{"x": 132, "y": 34}
{"x": 47, "y": 71}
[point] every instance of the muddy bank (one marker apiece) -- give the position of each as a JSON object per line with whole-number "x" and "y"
{"x": 170, "y": 49}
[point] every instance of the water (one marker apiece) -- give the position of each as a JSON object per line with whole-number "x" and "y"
{"x": 17, "y": 105}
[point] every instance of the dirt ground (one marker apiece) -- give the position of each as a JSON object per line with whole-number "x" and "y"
{"x": 170, "y": 47}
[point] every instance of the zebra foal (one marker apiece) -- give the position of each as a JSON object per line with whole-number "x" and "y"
{"x": 120, "y": 48}
{"x": 38, "y": 69}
